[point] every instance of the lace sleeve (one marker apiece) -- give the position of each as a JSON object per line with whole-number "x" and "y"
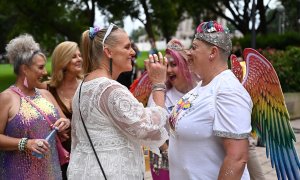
{"x": 145, "y": 125}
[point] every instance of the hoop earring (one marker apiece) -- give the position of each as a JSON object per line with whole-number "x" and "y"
{"x": 110, "y": 66}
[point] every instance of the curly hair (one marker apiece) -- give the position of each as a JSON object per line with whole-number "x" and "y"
{"x": 21, "y": 50}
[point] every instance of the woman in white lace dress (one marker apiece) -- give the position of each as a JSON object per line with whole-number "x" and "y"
{"x": 116, "y": 122}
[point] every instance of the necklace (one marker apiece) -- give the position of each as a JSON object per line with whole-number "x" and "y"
{"x": 28, "y": 96}
{"x": 65, "y": 97}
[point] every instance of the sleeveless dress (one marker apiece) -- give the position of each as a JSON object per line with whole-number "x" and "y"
{"x": 29, "y": 123}
{"x": 68, "y": 113}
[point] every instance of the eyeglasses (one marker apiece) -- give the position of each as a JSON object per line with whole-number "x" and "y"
{"x": 108, "y": 31}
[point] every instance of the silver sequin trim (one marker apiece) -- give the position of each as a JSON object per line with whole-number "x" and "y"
{"x": 220, "y": 39}
{"x": 231, "y": 135}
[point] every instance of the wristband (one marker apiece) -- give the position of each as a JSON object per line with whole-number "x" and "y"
{"x": 159, "y": 87}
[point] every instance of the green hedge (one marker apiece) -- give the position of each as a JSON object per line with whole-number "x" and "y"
{"x": 287, "y": 66}
{"x": 271, "y": 40}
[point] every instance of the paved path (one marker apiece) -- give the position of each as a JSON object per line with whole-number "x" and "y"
{"x": 270, "y": 174}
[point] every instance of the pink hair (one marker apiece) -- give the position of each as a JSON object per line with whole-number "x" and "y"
{"x": 182, "y": 66}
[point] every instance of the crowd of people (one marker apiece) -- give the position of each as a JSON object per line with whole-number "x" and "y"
{"x": 197, "y": 121}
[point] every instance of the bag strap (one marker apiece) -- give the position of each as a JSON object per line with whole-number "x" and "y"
{"x": 21, "y": 94}
{"x": 90, "y": 140}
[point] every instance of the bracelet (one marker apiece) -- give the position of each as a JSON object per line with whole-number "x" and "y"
{"x": 22, "y": 144}
{"x": 159, "y": 87}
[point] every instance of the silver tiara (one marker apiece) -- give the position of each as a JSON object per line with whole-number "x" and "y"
{"x": 175, "y": 47}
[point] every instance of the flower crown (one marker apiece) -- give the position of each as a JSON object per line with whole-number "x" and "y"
{"x": 214, "y": 33}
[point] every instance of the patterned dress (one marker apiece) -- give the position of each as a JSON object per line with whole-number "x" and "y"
{"x": 29, "y": 123}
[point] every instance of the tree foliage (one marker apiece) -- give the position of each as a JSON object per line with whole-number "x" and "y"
{"x": 49, "y": 21}
{"x": 53, "y": 21}
{"x": 292, "y": 15}
{"x": 136, "y": 33}
{"x": 240, "y": 11}
{"x": 155, "y": 15}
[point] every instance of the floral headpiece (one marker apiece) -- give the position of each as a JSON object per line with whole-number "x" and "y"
{"x": 93, "y": 32}
{"x": 214, "y": 33}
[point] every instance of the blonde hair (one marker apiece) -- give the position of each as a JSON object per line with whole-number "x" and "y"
{"x": 92, "y": 48}
{"x": 61, "y": 56}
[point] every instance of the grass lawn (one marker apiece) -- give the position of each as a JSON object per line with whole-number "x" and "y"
{"x": 7, "y": 77}
{"x": 142, "y": 56}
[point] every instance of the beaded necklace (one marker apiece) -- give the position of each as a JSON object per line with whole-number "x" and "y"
{"x": 183, "y": 106}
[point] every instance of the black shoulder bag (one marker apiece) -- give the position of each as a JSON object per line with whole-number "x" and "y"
{"x": 90, "y": 140}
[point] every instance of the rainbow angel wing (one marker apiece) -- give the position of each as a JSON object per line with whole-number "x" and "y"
{"x": 236, "y": 67}
{"x": 270, "y": 118}
{"x": 141, "y": 88}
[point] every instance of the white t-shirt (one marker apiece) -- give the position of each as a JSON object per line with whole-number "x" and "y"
{"x": 220, "y": 109}
{"x": 172, "y": 96}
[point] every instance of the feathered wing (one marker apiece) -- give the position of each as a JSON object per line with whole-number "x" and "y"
{"x": 141, "y": 88}
{"x": 236, "y": 68}
{"x": 270, "y": 118}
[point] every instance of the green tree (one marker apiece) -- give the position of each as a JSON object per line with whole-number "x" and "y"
{"x": 292, "y": 12}
{"x": 49, "y": 21}
{"x": 136, "y": 33}
{"x": 162, "y": 16}
{"x": 167, "y": 17}
{"x": 240, "y": 11}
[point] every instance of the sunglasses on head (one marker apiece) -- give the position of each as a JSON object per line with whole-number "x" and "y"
{"x": 108, "y": 31}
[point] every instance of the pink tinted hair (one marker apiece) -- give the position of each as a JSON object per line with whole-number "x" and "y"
{"x": 182, "y": 66}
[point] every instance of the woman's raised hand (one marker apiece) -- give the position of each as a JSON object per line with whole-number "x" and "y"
{"x": 156, "y": 66}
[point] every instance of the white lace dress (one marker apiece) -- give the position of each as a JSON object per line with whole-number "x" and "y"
{"x": 118, "y": 125}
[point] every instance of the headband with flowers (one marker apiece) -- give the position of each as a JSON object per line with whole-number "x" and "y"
{"x": 214, "y": 33}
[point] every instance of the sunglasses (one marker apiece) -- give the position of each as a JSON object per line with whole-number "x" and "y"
{"x": 108, "y": 31}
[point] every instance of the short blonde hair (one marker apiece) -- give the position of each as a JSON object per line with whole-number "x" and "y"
{"x": 61, "y": 57}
